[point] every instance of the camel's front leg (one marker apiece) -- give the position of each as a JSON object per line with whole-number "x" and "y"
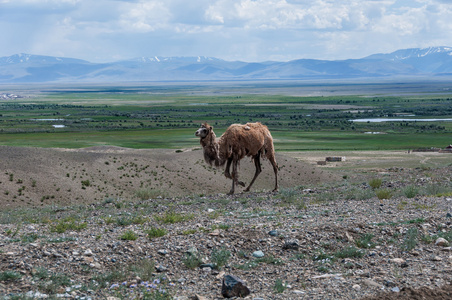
{"x": 234, "y": 176}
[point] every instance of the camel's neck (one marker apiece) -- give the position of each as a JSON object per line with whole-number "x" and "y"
{"x": 210, "y": 147}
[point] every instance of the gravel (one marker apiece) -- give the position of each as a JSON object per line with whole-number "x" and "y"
{"x": 313, "y": 253}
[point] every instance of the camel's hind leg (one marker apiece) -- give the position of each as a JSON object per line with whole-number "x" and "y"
{"x": 272, "y": 160}
{"x": 257, "y": 164}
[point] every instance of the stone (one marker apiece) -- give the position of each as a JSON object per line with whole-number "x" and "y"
{"x": 371, "y": 283}
{"x": 273, "y": 232}
{"x": 356, "y": 287}
{"x": 258, "y": 254}
{"x": 162, "y": 252}
{"x": 442, "y": 242}
{"x": 233, "y": 287}
{"x": 349, "y": 237}
{"x": 161, "y": 269}
{"x": 199, "y": 297}
{"x": 397, "y": 260}
{"x": 291, "y": 244}
{"x": 88, "y": 252}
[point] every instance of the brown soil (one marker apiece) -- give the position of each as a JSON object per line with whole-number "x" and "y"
{"x": 38, "y": 177}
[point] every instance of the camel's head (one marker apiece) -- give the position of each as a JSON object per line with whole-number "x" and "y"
{"x": 204, "y": 130}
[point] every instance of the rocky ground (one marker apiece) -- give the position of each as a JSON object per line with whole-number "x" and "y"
{"x": 336, "y": 240}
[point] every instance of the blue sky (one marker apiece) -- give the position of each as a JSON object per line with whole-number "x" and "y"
{"x": 247, "y": 30}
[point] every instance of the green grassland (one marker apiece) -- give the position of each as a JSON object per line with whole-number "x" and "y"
{"x": 167, "y": 117}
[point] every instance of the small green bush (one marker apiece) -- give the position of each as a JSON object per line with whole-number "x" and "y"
{"x": 383, "y": 194}
{"x": 375, "y": 183}
{"x": 365, "y": 241}
{"x": 220, "y": 257}
{"x": 129, "y": 235}
{"x": 9, "y": 276}
{"x": 155, "y": 232}
{"x": 279, "y": 286}
{"x": 349, "y": 252}
{"x": 191, "y": 260}
{"x": 411, "y": 239}
{"x": 67, "y": 224}
{"x": 172, "y": 217}
{"x": 410, "y": 191}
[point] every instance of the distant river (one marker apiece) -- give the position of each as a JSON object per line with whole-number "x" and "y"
{"x": 378, "y": 120}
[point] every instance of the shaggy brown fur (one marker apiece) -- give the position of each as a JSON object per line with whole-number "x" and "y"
{"x": 238, "y": 141}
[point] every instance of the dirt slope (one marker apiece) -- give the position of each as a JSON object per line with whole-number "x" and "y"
{"x": 36, "y": 176}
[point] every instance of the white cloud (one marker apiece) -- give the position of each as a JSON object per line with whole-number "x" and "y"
{"x": 231, "y": 29}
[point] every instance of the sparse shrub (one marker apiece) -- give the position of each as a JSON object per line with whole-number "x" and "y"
{"x": 279, "y": 286}
{"x": 192, "y": 260}
{"x": 220, "y": 257}
{"x": 9, "y": 276}
{"x": 411, "y": 239}
{"x": 172, "y": 217}
{"x": 365, "y": 241}
{"x": 375, "y": 183}
{"x": 270, "y": 260}
{"x": 29, "y": 238}
{"x": 86, "y": 183}
{"x": 67, "y": 224}
{"x": 358, "y": 194}
{"x": 41, "y": 273}
{"x": 289, "y": 195}
{"x": 155, "y": 232}
{"x": 383, "y": 194}
{"x": 129, "y": 220}
{"x": 349, "y": 252}
{"x": 189, "y": 231}
{"x": 410, "y": 191}
{"x": 146, "y": 193}
{"x": 129, "y": 235}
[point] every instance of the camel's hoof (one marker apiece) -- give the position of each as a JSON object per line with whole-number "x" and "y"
{"x": 246, "y": 190}
{"x": 241, "y": 183}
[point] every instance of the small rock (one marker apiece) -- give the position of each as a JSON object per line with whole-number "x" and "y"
{"x": 88, "y": 252}
{"x": 292, "y": 244}
{"x": 216, "y": 232}
{"x": 234, "y": 287}
{"x": 162, "y": 252}
{"x": 161, "y": 269}
{"x": 442, "y": 242}
{"x": 258, "y": 254}
{"x": 349, "y": 237}
{"x": 356, "y": 287}
{"x": 395, "y": 289}
{"x": 397, "y": 260}
{"x": 273, "y": 233}
{"x": 436, "y": 258}
{"x": 371, "y": 283}
{"x": 199, "y": 297}
{"x": 298, "y": 292}
{"x": 211, "y": 266}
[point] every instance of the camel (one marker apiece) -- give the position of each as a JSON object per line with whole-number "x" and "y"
{"x": 238, "y": 141}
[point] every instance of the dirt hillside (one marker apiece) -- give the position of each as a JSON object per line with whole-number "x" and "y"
{"x": 37, "y": 177}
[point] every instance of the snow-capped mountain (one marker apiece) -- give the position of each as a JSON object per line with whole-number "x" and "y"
{"x": 433, "y": 61}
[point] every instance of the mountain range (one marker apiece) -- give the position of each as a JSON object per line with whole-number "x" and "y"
{"x": 27, "y": 68}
